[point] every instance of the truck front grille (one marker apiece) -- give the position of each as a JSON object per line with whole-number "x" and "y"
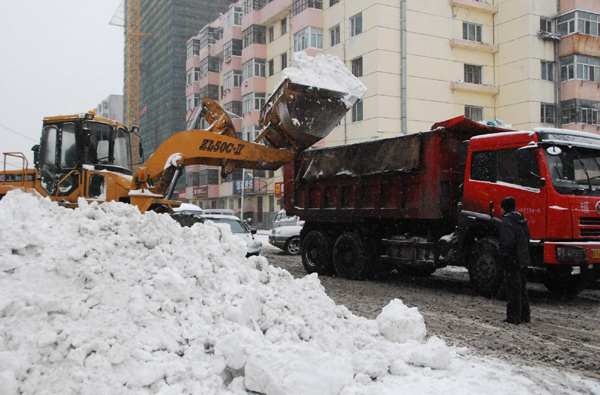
{"x": 589, "y": 227}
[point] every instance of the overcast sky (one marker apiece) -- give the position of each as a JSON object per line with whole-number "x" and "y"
{"x": 56, "y": 58}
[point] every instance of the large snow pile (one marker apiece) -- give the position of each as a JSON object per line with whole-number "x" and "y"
{"x": 325, "y": 72}
{"x": 104, "y": 300}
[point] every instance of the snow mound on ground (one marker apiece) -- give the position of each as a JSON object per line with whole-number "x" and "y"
{"x": 325, "y": 72}
{"x": 102, "y": 299}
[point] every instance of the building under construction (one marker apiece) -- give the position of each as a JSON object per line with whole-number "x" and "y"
{"x": 164, "y": 29}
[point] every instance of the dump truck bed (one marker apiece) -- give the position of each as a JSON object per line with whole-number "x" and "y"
{"x": 409, "y": 177}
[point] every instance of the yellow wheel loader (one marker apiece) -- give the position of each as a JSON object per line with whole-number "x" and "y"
{"x": 90, "y": 157}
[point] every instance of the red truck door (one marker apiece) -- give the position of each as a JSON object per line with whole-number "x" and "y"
{"x": 518, "y": 175}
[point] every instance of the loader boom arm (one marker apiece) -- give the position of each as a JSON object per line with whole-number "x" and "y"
{"x": 293, "y": 119}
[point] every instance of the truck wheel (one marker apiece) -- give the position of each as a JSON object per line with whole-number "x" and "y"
{"x": 351, "y": 257}
{"x": 485, "y": 273}
{"x": 316, "y": 253}
{"x": 564, "y": 283}
{"x": 292, "y": 246}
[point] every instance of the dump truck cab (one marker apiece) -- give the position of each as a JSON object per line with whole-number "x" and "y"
{"x": 554, "y": 175}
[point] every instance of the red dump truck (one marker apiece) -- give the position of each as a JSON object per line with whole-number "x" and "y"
{"x": 423, "y": 201}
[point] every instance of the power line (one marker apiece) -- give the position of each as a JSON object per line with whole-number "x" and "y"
{"x": 18, "y": 133}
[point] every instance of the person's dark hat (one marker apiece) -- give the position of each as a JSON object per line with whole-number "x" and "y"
{"x": 508, "y": 203}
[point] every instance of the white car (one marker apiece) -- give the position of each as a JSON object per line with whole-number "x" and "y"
{"x": 188, "y": 209}
{"x": 282, "y": 219}
{"x": 287, "y": 238}
{"x": 255, "y": 247}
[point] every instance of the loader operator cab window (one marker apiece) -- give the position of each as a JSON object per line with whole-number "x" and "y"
{"x": 107, "y": 147}
{"x": 58, "y": 157}
{"x": 47, "y": 158}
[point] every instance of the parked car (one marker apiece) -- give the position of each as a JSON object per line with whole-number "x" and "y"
{"x": 287, "y": 238}
{"x": 189, "y": 208}
{"x": 282, "y": 219}
{"x": 219, "y": 211}
{"x": 239, "y": 229}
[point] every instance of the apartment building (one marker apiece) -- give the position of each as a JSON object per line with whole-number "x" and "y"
{"x": 522, "y": 63}
{"x": 111, "y": 108}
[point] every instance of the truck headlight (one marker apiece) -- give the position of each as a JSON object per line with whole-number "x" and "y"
{"x": 570, "y": 254}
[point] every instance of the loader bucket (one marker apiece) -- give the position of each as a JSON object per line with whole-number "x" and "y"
{"x": 297, "y": 116}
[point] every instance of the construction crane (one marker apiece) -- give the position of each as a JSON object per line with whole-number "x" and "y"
{"x": 127, "y": 15}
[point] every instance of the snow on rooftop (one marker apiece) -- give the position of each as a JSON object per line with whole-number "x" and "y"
{"x": 105, "y": 300}
{"x": 325, "y": 72}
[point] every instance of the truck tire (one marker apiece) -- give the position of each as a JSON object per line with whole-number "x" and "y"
{"x": 561, "y": 282}
{"x": 351, "y": 257}
{"x": 316, "y": 253}
{"x": 485, "y": 274}
{"x": 292, "y": 246}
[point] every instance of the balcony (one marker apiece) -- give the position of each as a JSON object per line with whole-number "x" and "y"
{"x": 475, "y": 88}
{"x": 473, "y": 45}
{"x": 475, "y": 5}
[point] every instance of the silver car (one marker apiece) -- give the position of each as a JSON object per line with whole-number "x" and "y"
{"x": 287, "y": 238}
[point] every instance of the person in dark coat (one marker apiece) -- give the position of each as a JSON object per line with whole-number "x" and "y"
{"x": 514, "y": 256}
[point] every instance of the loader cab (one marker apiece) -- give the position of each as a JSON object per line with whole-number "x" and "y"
{"x": 72, "y": 146}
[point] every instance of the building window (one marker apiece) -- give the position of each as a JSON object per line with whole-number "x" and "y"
{"x": 547, "y": 71}
{"x": 210, "y": 64}
{"x": 283, "y": 60}
{"x": 232, "y": 48}
{"x": 193, "y": 48}
{"x": 301, "y": 5}
{"x": 209, "y": 36}
{"x": 581, "y": 67}
{"x": 255, "y": 34}
{"x": 271, "y": 33}
{"x": 580, "y": 111}
{"x": 474, "y": 113}
{"x": 193, "y": 75}
{"x": 283, "y": 26}
{"x": 471, "y": 31}
{"x": 357, "y": 67}
{"x": 250, "y": 5}
{"x": 271, "y": 67}
{"x": 210, "y": 91}
{"x": 579, "y": 22}
{"x": 589, "y": 116}
{"x": 473, "y": 74}
{"x": 547, "y": 113}
{"x": 254, "y": 67}
{"x": 233, "y": 17}
{"x": 356, "y": 24}
{"x": 333, "y": 2}
{"x": 357, "y": 111}
{"x": 234, "y": 107}
{"x": 231, "y": 80}
{"x": 309, "y": 37}
{"x": 545, "y": 25}
{"x": 334, "y": 33}
{"x": 192, "y": 101}
{"x": 253, "y": 102}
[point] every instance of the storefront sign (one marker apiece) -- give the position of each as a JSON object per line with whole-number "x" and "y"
{"x": 247, "y": 184}
{"x": 201, "y": 191}
{"x": 278, "y": 189}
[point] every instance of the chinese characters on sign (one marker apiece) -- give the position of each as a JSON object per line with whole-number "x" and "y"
{"x": 278, "y": 189}
{"x": 201, "y": 191}
{"x": 247, "y": 185}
